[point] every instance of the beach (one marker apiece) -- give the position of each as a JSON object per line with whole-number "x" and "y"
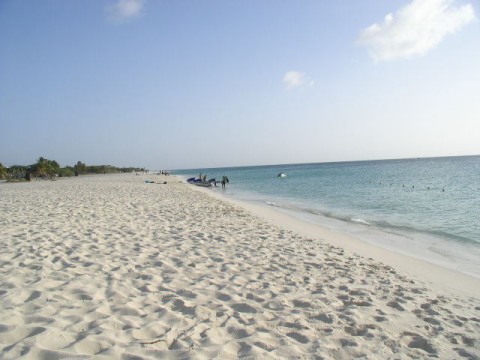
{"x": 116, "y": 267}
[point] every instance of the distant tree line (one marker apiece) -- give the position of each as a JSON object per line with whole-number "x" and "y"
{"x": 46, "y": 168}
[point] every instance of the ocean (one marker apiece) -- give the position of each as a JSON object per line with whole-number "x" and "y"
{"x": 427, "y": 208}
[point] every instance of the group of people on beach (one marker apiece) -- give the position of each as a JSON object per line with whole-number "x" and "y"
{"x": 224, "y": 182}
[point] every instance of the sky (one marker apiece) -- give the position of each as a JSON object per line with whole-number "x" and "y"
{"x": 178, "y": 84}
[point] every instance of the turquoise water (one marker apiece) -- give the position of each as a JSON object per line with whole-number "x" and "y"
{"x": 428, "y": 208}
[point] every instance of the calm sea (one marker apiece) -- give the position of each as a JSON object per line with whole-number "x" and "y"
{"x": 427, "y": 208}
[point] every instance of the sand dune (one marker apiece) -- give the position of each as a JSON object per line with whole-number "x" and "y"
{"x": 113, "y": 267}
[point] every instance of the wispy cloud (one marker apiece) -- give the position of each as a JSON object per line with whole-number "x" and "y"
{"x": 295, "y": 79}
{"x": 125, "y": 10}
{"x": 415, "y": 29}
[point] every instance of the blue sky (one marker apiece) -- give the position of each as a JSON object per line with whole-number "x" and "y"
{"x": 172, "y": 84}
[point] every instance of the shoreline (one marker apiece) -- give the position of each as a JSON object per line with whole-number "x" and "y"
{"x": 401, "y": 207}
{"x": 421, "y": 269}
{"x": 119, "y": 267}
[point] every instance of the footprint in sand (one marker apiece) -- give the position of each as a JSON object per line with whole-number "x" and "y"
{"x": 223, "y": 297}
{"x": 416, "y": 341}
{"x": 298, "y": 337}
{"x": 244, "y": 308}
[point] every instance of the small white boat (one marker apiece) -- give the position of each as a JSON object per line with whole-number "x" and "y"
{"x": 203, "y": 183}
{"x": 282, "y": 175}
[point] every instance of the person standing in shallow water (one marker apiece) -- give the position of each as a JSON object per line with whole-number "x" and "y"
{"x": 224, "y": 181}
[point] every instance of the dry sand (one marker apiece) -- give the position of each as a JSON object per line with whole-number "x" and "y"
{"x": 113, "y": 267}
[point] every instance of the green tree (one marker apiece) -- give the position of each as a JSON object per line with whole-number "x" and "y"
{"x": 66, "y": 171}
{"x": 80, "y": 168}
{"x": 45, "y": 167}
{"x": 40, "y": 167}
{"x": 17, "y": 171}
{"x": 3, "y": 171}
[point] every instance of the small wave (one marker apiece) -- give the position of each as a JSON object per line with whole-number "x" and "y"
{"x": 406, "y": 230}
{"x": 382, "y": 225}
{"x": 360, "y": 221}
{"x": 271, "y": 203}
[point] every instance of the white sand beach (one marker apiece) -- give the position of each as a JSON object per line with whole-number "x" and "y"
{"x": 112, "y": 267}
